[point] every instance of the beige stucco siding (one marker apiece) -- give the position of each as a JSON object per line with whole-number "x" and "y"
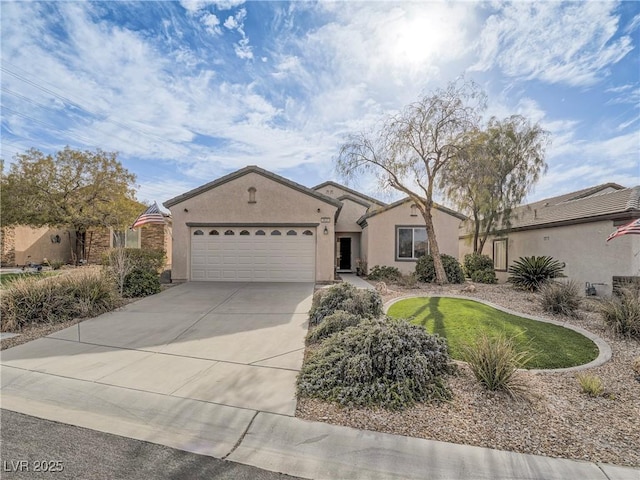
{"x": 380, "y": 235}
{"x": 583, "y": 247}
{"x": 349, "y": 214}
{"x": 35, "y": 244}
{"x": 275, "y": 203}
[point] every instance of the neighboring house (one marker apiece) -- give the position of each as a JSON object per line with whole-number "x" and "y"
{"x": 22, "y": 244}
{"x": 572, "y": 228}
{"x": 254, "y": 225}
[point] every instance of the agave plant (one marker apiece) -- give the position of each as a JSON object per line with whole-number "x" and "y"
{"x": 530, "y": 273}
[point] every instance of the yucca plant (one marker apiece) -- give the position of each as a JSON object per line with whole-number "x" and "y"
{"x": 530, "y": 273}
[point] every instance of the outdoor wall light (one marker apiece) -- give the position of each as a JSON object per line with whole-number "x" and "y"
{"x": 326, "y": 231}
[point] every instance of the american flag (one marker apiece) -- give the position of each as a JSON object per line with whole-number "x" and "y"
{"x": 150, "y": 215}
{"x": 630, "y": 228}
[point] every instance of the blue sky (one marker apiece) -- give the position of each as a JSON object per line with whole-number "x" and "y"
{"x": 189, "y": 91}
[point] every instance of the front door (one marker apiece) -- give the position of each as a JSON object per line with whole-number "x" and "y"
{"x": 345, "y": 254}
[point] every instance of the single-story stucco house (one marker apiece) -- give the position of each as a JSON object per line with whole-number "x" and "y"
{"x": 254, "y": 225}
{"x": 572, "y": 228}
{"x": 22, "y": 245}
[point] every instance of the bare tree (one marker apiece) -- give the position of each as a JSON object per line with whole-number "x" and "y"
{"x": 411, "y": 149}
{"x": 494, "y": 171}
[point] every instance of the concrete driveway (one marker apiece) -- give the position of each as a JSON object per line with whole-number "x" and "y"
{"x": 237, "y": 345}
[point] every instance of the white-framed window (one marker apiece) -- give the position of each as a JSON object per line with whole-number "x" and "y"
{"x": 500, "y": 254}
{"x": 411, "y": 243}
{"x": 126, "y": 238}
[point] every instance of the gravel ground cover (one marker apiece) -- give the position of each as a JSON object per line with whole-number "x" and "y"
{"x": 554, "y": 418}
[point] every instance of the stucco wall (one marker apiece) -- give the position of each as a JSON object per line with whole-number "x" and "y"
{"x": 381, "y": 235}
{"x": 275, "y": 203}
{"x": 584, "y": 249}
{"x": 349, "y": 214}
{"x": 34, "y": 244}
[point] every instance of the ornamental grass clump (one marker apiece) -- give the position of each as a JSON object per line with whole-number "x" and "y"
{"x": 495, "y": 361}
{"x": 56, "y": 299}
{"x": 621, "y": 312}
{"x": 590, "y": 384}
{"x": 379, "y": 362}
{"x": 336, "y": 322}
{"x": 561, "y": 298}
{"x": 346, "y": 297}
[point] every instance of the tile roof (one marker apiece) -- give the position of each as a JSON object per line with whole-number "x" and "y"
{"x": 351, "y": 191}
{"x": 244, "y": 171}
{"x": 593, "y": 203}
{"x": 402, "y": 201}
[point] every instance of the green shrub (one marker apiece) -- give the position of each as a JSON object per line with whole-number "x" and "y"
{"x": 55, "y": 264}
{"x": 383, "y": 362}
{"x": 484, "y": 276}
{"x": 561, "y": 298}
{"x": 494, "y": 361}
{"x": 474, "y": 262}
{"x": 146, "y": 259}
{"x": 426, "y": 272}
{"x": 344, "y": 296}
{"x": 408, "y": 281}
{"x": 56, "y": 299}
{"x": 336, "y": 322}
{"x": 529, "y": 273}
{"x": 590, "y": 384}
{"x": 384, "y": 273}
{"x": 622, "y": 312}
{"x": 141, "y": 283}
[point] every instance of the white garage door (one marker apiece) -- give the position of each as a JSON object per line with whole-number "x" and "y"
{"x": 273, "y": 254}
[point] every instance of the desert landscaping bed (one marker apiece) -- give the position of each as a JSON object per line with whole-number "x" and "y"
{"x": 554, "y": 418}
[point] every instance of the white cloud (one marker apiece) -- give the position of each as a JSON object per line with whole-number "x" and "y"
{"x": 552, "y": 42}
{"x": 236, "y": 22}
{"x": 193, "y": 6}
{"x": 212, "y": 23}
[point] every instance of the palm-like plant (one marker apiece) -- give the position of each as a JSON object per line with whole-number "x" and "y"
{"x": 530, "y": 273}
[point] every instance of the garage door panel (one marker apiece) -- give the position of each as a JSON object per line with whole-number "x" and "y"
{"x": 257, "y": 258}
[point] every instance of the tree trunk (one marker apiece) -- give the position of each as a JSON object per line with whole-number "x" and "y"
{"x": 80, "y": 246}
{"x": 441, "y": 276}
{"x": 476, "y": 232}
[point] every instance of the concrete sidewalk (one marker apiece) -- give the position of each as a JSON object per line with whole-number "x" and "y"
{"x": 275, "y": 442}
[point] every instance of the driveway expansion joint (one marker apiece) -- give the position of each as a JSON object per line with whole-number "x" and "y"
{"x": 244, "y": 434}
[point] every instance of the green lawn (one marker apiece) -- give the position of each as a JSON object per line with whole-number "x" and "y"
{"x": 460, "y": 321}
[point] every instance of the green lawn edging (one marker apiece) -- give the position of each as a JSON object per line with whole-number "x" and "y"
{"x": 525, "y": 327}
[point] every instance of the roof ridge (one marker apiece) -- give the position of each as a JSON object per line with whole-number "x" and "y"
{"x": 350, "y": 190}
{"x": 634, "y": 198}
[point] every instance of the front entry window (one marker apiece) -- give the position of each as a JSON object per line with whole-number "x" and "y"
{"x": 411, "y": 243}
